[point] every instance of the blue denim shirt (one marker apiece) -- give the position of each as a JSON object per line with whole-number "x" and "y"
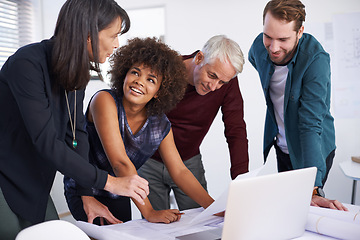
{"x": 309, "y": 126}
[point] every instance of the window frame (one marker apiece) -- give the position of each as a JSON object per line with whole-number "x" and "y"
{"x": 16, "y": 26}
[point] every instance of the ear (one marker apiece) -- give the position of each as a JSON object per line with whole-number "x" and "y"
{"x": 156, "y": 97}
{"x": 89, "y": 48}
{"x": 199, "y": 57}
{"x": 300, "y": 32}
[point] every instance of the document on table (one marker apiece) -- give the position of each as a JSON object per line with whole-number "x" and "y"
{"x": 142, "y": 229}
{"x": 334, "y": 223}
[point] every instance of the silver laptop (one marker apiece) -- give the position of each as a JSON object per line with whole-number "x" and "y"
{"x": 265, "y": 207}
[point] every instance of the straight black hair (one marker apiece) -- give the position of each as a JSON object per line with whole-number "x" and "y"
{"x": 77, "y": 21}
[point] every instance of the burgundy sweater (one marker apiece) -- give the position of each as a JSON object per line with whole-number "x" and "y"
{"x": 194, "y": 114}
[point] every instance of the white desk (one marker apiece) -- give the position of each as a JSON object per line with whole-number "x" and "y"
{"x": 351, "y": 169}
{"x": 142, "y": 229}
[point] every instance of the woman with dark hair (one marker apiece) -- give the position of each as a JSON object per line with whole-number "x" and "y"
{"x": 127, "y": 124}
{"x": 42, "y": 125}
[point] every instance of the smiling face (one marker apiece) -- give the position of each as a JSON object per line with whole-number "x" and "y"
{"x": 211, "y": 76}
{"x": 280, "y": 39}
{"x": 108, "y": 40}
{"x": 141, "y": 84}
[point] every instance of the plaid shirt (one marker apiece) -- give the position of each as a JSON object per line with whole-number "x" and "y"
{"x": 139, "y": 147}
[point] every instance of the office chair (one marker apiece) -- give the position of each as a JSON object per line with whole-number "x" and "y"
{"x": 54, "y": 230}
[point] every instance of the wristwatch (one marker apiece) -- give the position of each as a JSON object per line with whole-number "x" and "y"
{"x": 319, "y": 192}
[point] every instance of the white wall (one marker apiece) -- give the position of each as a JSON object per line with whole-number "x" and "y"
{"x": 189, "y": 24}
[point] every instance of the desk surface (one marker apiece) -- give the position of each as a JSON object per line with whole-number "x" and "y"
{"x": 141, "y": 229}
{"x": 351, "y": 169}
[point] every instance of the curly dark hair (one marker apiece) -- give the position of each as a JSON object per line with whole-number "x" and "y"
{"x": 162, "y": 60}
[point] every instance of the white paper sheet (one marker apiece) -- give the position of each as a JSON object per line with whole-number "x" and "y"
{"x": 103, "y": 233}
{"x": 141, "y": 229}
{"x": 350, "y": 216}
{"x": 332, "y": 227}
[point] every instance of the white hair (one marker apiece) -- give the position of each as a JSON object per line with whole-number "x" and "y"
{"x": 226, "y": 50}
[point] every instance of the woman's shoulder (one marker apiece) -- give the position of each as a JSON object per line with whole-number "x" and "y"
{"x": 159, "y": 122}
{"x": 105, "y": 95}
{"x": 37, "y": 53}
{"x": 35, "y": 50}
{"x": 106, "y": 98}
{"x": 30, "y": 59}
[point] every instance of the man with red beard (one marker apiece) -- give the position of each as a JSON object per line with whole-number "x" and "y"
{"x": 294, "y": 71}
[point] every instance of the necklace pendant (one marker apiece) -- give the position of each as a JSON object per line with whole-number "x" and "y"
{"x": 74, "y": 143}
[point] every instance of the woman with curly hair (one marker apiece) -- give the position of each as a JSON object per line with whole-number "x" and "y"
{"x": 127, "y": 124}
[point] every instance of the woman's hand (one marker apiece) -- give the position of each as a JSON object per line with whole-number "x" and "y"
{"x": 93, "y": 209}
{"x": 163, "y": 216}
{"x": 130, "y": 186}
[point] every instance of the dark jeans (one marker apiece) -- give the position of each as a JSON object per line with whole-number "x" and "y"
{"x": 120, "y": 208}
{"x": 284, "y": 163}
{"x": 11, "y": 224}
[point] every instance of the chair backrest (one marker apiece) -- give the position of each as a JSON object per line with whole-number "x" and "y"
{"x": 54, "y": 230}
